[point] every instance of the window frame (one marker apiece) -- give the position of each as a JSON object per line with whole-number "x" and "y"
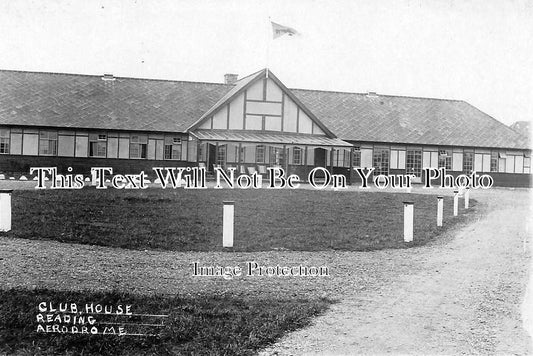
{"x": 221, "y": 155}
{"x": 494, "y": 161}
{"x": 446, "y": 157}
{"x": 140, "y": 144}
{"x": 172, "y": 144}
{"x": 51, "y": 141}
{"x": 299, "y": 161}
{"x": 384, "y": 160}
{"x": 356, "y": 155}
{"x": 5, "y": 141}
{"x": 96, "y": 138}
{"x": 470, "y": 160}
{"x": 262, "y": 149}
{"x": 413, "y": 164}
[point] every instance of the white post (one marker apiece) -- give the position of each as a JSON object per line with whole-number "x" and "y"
{"x": 408, "y": 217}
{"x": 467, "y": 197}
{"x": 5, "y": 209}
{"x": 227, "y": 224}
{"x": 455, "y": 202}
{"x": 440, "y": 205}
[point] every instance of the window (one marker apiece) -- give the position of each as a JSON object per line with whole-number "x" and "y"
{"x": 445, "y": 159}
{"x": 260, "y": 154}
{"x": 356, "y": 156}
{"x": 240, "y": 155}
{"x": 413, "y": 164}
{"x": 468, "y": 162}
{"x": 527, "y": 164}
{"x": 221, "y": 155}
{"x": 4, "y": 140}
{"x": 97, "y": 145}
{"x": 276, "y": 156}
{"x": 201, "y": 152}
{"x": 381, "y": 161}
{"x": 494, "y": 161}
{"x": 138, "y": 145}
{"x": 48, "y": 143}
{"x": 297, "y": 155}
{"x": 172, "y": 148}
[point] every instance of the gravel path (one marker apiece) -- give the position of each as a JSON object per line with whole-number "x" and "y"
{"x": 460, "y": 295}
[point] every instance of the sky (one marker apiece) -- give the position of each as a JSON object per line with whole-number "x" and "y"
{"x": 477, "y": 51}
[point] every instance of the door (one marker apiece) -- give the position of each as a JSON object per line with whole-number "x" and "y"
{"x": 211, "y": 156}
{"x": 320, "y": 157}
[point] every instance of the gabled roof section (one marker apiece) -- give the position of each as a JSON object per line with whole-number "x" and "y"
{"x": 88, "y": 102}
{"x": 246, "y": 82}
{"x": 410, "y": 120}
{"x": 302, "y": 106}
{"x": 239, "y": 86}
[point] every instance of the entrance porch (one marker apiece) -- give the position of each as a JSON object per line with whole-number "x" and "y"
{"x": 249, "y": 153}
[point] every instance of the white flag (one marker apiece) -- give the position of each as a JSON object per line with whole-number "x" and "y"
{"x": 280, "y": 30}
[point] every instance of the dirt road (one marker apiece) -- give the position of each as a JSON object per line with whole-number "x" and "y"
{"x": 461, "y": 296}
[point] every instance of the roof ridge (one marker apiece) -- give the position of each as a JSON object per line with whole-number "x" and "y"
{"x": 228, "y": 85}
{"x": 378, "y": 95}
{"x": 120, "y": 77}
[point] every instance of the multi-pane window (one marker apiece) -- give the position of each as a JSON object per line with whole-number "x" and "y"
{"x": 201, "y": 152}
{"x": 242, "y": 156}
{"x": 297, "y": 155}
{"x": 138, "y": 146}
{"x": 494, "y": 161}
{"x": 48, "y": 143}
{"x": 172, "y": 147}
{"x": 276, "y": 156}
{"x": 468, "y": 162}
{"x": 97, "y": 145}
{"x": 4, "y": 140}
{"x": 221, "y": 155}
{"x": 445, "y": 159}
{"x": 260, "y": 154}
{"x": 413, "y": 162}
{"x": 381, "y": 161}
{"x": 356, "y": 156}
{"x": 527, "y": 164}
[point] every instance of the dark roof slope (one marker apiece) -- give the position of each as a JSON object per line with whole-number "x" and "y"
{"x": 84, "y": 101}
{"x": 385, "y": 118}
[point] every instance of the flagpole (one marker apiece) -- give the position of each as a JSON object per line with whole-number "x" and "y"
{"x": 269, "y": 40}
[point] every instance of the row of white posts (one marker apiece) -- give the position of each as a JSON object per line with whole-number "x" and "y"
{"x": 229, "y": 213}
{"x": 408, "y": 212}
{"x": 408, "y": 217}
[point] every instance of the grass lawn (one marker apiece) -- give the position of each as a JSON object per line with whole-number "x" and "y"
{"x": 201, "y": 325}
{"x": 191, "y": 220}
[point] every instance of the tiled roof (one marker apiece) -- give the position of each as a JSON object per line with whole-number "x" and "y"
{"x": 269, "y": 137}
{"x": 384, "y": 118}
{"x": 83, "y": 101}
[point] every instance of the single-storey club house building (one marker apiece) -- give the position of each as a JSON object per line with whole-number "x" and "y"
{"x": 83, "y": 121}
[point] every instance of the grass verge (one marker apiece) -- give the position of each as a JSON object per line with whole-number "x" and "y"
{"x": 191, "y": 220}
{"x": 202, "y": 325}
